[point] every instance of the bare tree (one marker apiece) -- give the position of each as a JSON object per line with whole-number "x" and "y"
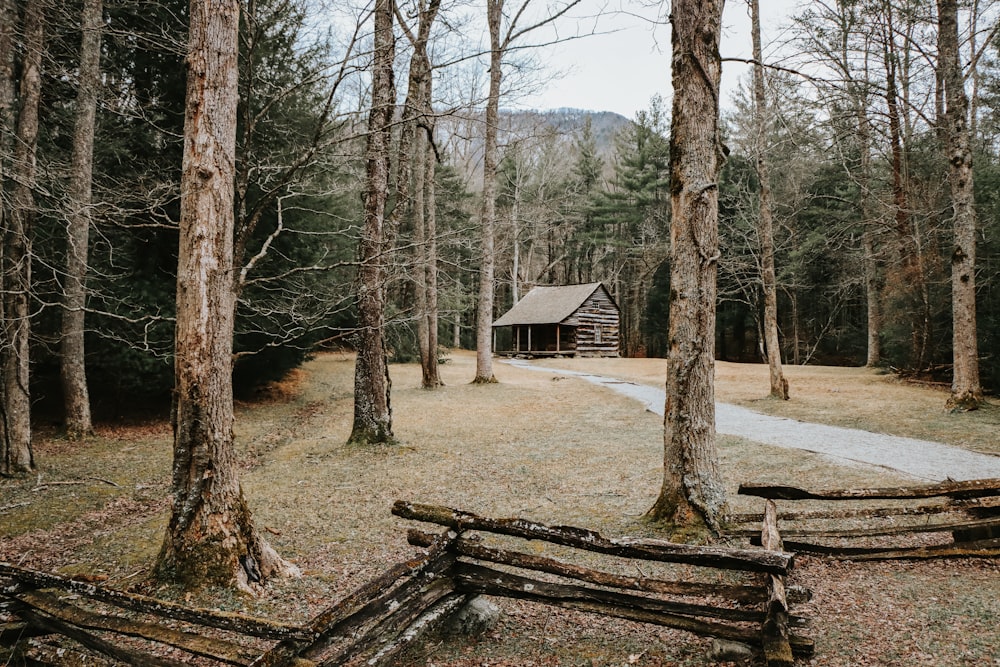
{"x": 692, "y": 494}
{"x": 488, "y": 211}
{"x": 504, "y": 31}
{"x": 78, "y": 221}
{"x": 8, "y": 21}
{"x": 413, "y": 171}
{"x": 911, "y": 283}
{"x": 211, "y": 537}
{"x": 765, "y": 220}
{"x": 372, "y": 409}
{"x": 18, "y": 457}
{"x": 873, "y": 294}
{"x": 966, "y": 392}
{"x": 429, "y": 318}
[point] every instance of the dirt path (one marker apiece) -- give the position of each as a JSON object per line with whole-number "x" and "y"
{"x": 923, "y": 459}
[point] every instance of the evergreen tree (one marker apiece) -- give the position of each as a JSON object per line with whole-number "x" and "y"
{"x": 625, "y": 232}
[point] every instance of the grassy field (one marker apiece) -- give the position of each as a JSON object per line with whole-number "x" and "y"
{"x": 554, "y": 450}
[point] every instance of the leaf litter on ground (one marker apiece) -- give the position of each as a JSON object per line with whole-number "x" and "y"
{"x": 564, "y": 452}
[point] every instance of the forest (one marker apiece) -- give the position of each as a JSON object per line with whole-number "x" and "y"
{"x": 482, "y": 200}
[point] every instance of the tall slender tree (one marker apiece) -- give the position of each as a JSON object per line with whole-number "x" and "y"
{"x": 8, "y": 22}
{"x": 504, "y": 32}
{"x": 412, "y": 174}
{"x": 966, "y": 392}
{"x": 692, "y": 494}
{"x": 765, "y": 217}
{"x": 488, "y": 208}
{"x": 910, "y": 284}
{"x": 17, "y": 455}
{"x": 78, "y": 221}
{"x": 211, "y": 537}
{"x": 372, "y": 408}
{"x": 429, "y": 353}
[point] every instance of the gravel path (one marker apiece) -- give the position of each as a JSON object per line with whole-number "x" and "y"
{"x": 923, "y": 459}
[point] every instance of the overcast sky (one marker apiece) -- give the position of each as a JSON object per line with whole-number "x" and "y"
{"x": 622, "y": 70}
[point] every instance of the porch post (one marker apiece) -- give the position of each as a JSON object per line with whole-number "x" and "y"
{"x": 557, "y": 339}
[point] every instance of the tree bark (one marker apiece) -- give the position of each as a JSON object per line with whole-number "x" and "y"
{"x": 429, "y": 361}
{"x": 966, "y": 392}
{"x": 693, "y": 494}
{"x": 211, "y": 538}
{"x": 910, "y": 286}
{"x": 873, "y": 295}
{"x": 8, "y": 22}
{"x": 416, "y": 164}
{"x": 372, "y": 408}
{"x": 419, "y": 256}
{"x": 765, "y": 221}
{"x": 73, "y": 373}
{"x": 18, "y": 457}
{"x": 488, "y": 210}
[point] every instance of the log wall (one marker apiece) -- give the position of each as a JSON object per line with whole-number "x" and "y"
{"x": 597, "y": 323}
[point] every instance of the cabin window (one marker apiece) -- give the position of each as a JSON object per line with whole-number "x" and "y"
{"x": 597, "y": 335}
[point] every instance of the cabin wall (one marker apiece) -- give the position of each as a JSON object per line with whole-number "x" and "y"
{"x": 597, "y": 323}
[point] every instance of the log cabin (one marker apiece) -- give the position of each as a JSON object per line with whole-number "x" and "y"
{"x": 568, "y": 320}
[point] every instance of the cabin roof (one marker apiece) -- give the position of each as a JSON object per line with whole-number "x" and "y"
{"x": 549, "y": 305}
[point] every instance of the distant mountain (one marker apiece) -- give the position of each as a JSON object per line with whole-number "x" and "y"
{"x": 461, "y": 135}
{"x": 604, "y": 124}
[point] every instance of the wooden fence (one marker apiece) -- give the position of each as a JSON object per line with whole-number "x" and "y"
{"x": 379, "y": 619}
{"x": 753, "y": 612}
{"x": 947, "y": 520}
{"x": 371, "y": 624}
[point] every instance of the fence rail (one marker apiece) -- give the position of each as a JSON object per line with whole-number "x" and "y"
{"x": 967, "y": 511}
{"x": 754, "y": 612}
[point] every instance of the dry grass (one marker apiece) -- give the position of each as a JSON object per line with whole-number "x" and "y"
{"x": 560, "y": 451}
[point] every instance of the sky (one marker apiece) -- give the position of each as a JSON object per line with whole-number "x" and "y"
{"x": 622, "y": 70}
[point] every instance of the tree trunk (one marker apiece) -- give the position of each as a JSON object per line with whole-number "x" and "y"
{"x": 872, "y": 293}
{"x": 211, "y": 538}
{"x": 515, "y": 215}
{"x": 431, "y": 371}
{"x": 419, "y": 255}
{"x": 18, "y": 457}
{"x": 8, "y": 22}
{"x": 72, "y": 369}
{"x": 693, "y": 495}
{"x": 413, "y": 161}
{"x": 966, "y": 392}
{"x": 372, "y": 410}
{"x": 765, "y": 228}
{"x": 910, "y": 285}
{"x": 488, "y": 211}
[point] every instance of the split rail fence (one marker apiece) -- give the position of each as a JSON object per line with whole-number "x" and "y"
{"x": 946, "y": 520}
{"x": 377, "y": 621}
{"x": 370, "y": 625}
{"x": 754, "y": 610}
